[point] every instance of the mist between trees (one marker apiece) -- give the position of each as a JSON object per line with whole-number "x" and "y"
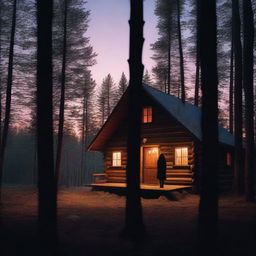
{"x": 20, "y": 166}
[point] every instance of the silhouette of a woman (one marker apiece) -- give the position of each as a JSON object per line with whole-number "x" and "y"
{"x": 161, "y": 169}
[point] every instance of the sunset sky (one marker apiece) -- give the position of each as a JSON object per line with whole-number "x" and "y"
{"x": 109, "y": 36}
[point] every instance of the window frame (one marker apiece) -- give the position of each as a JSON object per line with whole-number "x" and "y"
{"x": 148, "y": 117}
{"x": 181, "y": 157}
{"x": 116, "y": 160}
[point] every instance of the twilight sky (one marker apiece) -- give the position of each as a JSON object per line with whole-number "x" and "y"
{"x": 109, "y": 36}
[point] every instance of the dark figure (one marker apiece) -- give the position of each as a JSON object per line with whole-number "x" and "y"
{"x": 161, "y": 170}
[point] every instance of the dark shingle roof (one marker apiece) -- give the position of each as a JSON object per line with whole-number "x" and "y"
{"x": 187, "y": 114}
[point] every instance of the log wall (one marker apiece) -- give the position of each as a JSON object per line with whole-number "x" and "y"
{"x": 166, "y": 133}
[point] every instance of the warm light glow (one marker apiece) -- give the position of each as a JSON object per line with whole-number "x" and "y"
{"x": 153, "y": 151}
{"x": 147, "y": 115}
{"x": 116, "y": 159}
{"x": 181, "y": 156}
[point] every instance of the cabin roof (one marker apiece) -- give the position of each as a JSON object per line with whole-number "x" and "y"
{"x": 185, "y": 113}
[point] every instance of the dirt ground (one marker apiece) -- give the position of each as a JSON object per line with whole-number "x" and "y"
{"x": 90, "y": 223}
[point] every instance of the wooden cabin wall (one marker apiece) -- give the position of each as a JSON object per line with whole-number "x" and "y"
{"x": 225, "y": 171}
{"x": 164, "y": 132}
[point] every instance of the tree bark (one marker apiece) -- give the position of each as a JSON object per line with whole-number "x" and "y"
{"x": 8, "y": 95}
{"x": 83, "y": 137}
{"x": 182, "y": 76}
{"x": 248, "y": 38}
{"x": 47, "y": 205}
{"x": 62, "y": 99}
{"x": 238, "y": 183}
{"x": 197, "y": 80}
{"x": 208, "y": 207}
{"x": 169, "y": 61}
{"x": 231, "y": 88}
{"x": 134, "y": 226}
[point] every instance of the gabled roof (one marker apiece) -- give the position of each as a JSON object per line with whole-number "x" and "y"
{"x": 185, "y": 113}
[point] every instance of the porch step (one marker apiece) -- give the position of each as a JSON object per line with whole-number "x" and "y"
{"x": 178, "y": 180}
{"x": 179, "y": 174}
{"x": 178, "y": 170}
{"x": 116, "y": 179}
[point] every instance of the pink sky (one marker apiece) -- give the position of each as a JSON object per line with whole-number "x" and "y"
{"x": 109, "y": 36}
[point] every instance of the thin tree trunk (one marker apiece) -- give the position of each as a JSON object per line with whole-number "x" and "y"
{"x": 169, "y": 62}
{"x": 8, "y": 95}
{"x": 196, "y": 97}
{"x": 238, "y": 184}
{"x": 35, "y": 163}
{"x": 83, "y": 138}
{"x": 208, "y": 207}
{"x": 197, "y": 80}
{"x": 248, "y": 36}
{"x": 182, "y": 76}
{"x": 0, "y": 84}
{"x": 134, "y": 226}
{"x": 231, "y": 89}
{"x": 62, "y": 98}
{"x": 47, "y": 205}
{"x": 108, "y": 102}
{"x": 86, "y": 138}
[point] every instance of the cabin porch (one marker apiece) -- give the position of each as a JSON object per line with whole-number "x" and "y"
{"x": 147, "y": 191}
{"x": 101, "y": 183}
{"x": 142, "y": 186}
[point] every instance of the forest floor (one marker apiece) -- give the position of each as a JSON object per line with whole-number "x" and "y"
{"x": 90, "y": 223}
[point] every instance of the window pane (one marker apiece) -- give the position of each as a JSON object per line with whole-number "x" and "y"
{"x": 184, "y": 151}
{"x": 181, "y": 156}
{"x": 147, "y": 115}
{"x": 116, "y": 159}
{"x": 178, "y": 152}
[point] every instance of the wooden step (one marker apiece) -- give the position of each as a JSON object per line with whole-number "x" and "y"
{"x": 179, "y": 170}
{"x": 178, "y": 180}
{"x": 182, "y": 174}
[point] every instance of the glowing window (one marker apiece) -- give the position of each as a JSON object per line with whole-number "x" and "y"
{"x": 116, "y": 159}
{"x": 181, "y": 156}
{"x": 228, "y": 159}
{"x": 147, "y": 115}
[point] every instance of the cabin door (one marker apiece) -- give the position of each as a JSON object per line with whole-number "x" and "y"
{"x": 150, "y": 157}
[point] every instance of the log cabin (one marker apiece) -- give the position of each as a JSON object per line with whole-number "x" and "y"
{"x": 169, "y": 127}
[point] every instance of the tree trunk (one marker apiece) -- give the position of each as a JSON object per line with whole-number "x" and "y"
{"x": 197, "y": 80}
{"x": 196, "y": 97}
{"x": 231, "y": 88}
{"x": 86, "y": 139}
{"x": 134, "y": 226}
{"x": 238, "y": 184}
{"x": 182, "y": 76}
{"x": 169, "y": 62}
{"x": 208, "y": 207}
{"x": 8, "y": 95}
{"x": 248, "y": 36}
{"x": 47, "y": 206}
{"x": 83, "y": 137}
{"x": 0, "y": 91}
{"x": 62, "y": 98}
